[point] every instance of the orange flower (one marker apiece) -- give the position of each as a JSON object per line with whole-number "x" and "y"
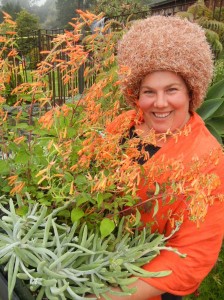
{"x": 12, "y": 179}
{"x": 74, "y": 167}
{"x": 5, "y": 117}
{"x": 10, "y": 32}
{"x": 2, "y": 100}
{"x": 13, "y": 52}
{"x": 47, "y": 119}
{"x": 18, "y": 140}
{"x": 18, "y": 188}
{"x": 2, "y": 39}
{"x": 124, "y": 70}
{"x": 86, "y": 16}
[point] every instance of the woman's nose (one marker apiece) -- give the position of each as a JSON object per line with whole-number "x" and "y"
{"x": 160, "y": 100}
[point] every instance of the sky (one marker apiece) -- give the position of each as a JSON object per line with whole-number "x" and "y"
{"x": 40, "y": 2}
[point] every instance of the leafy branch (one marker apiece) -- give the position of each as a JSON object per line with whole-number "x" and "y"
{"x": 69, "y": 261}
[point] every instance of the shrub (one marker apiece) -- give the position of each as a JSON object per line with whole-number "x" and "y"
{"x": 70, "y": 184}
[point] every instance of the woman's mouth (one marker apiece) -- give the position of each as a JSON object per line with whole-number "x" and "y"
{"x": 161, "y": 115}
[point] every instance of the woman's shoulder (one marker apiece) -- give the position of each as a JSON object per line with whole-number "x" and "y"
{"x": 202, "y": 139}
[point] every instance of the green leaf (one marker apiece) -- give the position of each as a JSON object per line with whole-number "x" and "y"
{"x": 39, "y": 195}
{"x": 107, "y": 196}
{"x": 71, "y": 132}
{"x": 156, "y": 208}
{"x": 45, "y": 202}
{"x": 64, "y": 213}
{"x": 68, "y": 177}
{"x": 172, "y": 200}
{"x": 106, "y": 227}
{"x": 6, "y": 189}
{"x": 137, "y": 217}
{"x": 77, "y": 214}
{"x": 39, "y": 151}
{"x": 214, "y": 133}
{"x": 157, "y": 189}
{"x": 80, "y": 180}
{"x": 209, "y": 107}
{"x": 218, "y": 124}
{"x": 216, "y": 90}
{"x": 22, "y": 157}
{"x": 99, "y": 199}
{"x": 22, "y": 125}
{"x": 81, "y": 199}
{"x": 4, "y": 167}
{"x": 22, "y": 211}
{"x": 220, "y": 111}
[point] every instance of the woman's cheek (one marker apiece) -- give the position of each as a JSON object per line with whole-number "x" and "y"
{"x": 144, "y": 103}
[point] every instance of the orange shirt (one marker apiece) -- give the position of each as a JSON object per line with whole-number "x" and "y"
{"x": 200, "y": 244}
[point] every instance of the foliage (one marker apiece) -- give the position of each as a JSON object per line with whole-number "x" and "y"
{"x": 26, "y": 24}
{"x": 23, "y": 3}
{"x": 45, "y": 160}
{"x": 11, "y": 76}
{"x": 219, "y": 13}
{"x": 46, "y": 12}
{"x": 12, "y": 9}
{"x": 212, "y": 110}
{"x": 214, "y": 26}
{"x": 62, "y": 159}
{"x": 66, "y": 9}
{"x": 125, "y": 9}
{"x": 219, "y": 70}
{"x": 69, "y": 261}
{"x": 198, "y": 9}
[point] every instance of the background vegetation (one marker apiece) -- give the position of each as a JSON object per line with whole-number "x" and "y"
{"x": 57, "y": 13}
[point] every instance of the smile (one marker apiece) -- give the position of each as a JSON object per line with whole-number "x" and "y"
{"x": 161, "y": 115}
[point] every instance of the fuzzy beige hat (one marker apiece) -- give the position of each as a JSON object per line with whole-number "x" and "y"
{"x": 166, "y": 43}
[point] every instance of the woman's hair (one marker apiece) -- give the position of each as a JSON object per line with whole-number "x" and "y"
{"x": 166, "y": 43}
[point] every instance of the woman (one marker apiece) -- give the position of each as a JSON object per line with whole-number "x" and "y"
{"x": 169, "y": 69}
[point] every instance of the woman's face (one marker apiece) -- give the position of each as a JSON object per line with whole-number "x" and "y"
{"x": 164, "y": 100}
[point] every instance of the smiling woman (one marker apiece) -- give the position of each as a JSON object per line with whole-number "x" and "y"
{"x": 164, "y": 100}
{"x": 169, "y": 68}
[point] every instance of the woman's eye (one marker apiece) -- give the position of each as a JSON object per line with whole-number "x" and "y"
{"x": 172, "y": 90}
{"x": 148, "y": 92}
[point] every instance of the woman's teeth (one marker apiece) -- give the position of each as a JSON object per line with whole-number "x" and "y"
{"x": 161, "y": 115}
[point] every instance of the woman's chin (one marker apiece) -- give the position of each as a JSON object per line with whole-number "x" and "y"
{"x": 161, "y": 130}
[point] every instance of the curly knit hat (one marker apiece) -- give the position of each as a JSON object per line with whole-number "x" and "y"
{"x": 166, "y": 43}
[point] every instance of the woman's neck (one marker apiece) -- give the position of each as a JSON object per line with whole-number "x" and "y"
{"x": 160, "y": 139}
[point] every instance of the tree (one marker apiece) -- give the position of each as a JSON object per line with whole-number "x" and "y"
{"x": 204, "y": 16}
{"x": 47, "y": 14}
{"x": 66, "y": 10}
{"x": 24, "y": 3}
{"x": 12, "y": 9}
{"x": 26, "y": 24}
{"x": 123, "y": 9}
